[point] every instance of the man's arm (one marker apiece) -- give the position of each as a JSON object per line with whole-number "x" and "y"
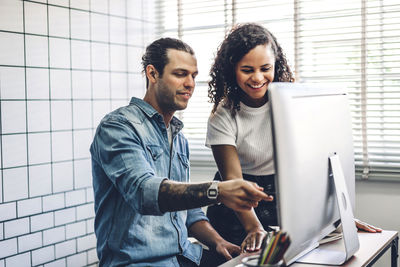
{"x": 235, "y": 194}
{"x": 206, "y": 234}
{"x": 126, "y": 165}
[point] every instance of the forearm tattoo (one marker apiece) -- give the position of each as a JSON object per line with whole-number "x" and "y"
{"x": 175, "y": 196}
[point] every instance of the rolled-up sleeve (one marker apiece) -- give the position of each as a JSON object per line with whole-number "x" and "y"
{"x": 195, "y": 215}
{"x": 119, "y": 151}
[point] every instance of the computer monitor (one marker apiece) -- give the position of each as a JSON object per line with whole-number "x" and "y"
{"x": 312, "y": 131}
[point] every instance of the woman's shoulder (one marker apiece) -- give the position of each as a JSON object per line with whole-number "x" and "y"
{"x": 222, "y": 110}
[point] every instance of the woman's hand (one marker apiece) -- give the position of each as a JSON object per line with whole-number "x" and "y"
{"x": 253, "y": 240}
{"x": 367, "y": 227}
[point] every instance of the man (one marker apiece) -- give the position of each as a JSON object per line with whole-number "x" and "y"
{"x": 145, "y": 207}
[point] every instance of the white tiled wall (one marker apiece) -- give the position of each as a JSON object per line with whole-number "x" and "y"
{"x": 64, "y": 64}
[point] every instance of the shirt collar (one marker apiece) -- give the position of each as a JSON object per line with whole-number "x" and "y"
{"x": 150, "y": 111}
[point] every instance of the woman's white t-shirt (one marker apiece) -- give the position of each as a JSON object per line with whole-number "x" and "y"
{"x": 249, "y": 131}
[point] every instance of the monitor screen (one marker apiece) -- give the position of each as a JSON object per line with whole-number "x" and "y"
{"x": 310, "y": 123}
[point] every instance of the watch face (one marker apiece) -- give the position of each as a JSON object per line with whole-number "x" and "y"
{"x": 212, "y": 192}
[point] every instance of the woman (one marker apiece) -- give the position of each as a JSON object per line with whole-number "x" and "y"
{"x": 239, "y": 128}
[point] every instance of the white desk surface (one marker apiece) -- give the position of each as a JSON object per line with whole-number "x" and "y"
{"x": 371, "y": 244}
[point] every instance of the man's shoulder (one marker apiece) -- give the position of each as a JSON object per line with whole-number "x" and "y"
{"x": 129, "y": 114}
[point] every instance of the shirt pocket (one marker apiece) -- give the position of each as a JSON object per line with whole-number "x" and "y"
{"x": 184, "y": 160}
{"x": 181, "y": 168}
{"x": 155, "y": 151}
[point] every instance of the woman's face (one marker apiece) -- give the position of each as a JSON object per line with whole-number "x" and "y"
{"x": 253, "y": 74}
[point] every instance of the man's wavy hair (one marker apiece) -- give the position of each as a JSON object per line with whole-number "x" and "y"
{"x": 157, "y": 54}
{"x": 237, "y": 44}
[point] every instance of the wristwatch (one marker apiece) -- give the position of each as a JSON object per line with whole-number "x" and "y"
{"x": 212, "y": 191}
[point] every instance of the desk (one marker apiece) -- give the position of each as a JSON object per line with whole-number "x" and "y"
{"x": 372, "y": 247}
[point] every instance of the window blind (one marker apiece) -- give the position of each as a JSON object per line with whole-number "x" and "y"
{"x": 350, "y": 43}
{"x": 355, "y": 44}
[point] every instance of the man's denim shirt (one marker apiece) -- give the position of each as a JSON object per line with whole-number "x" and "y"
{"x": 130, "y": 158}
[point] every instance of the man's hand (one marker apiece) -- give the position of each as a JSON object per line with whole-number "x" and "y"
{"x": 241, "y": 195}
{"x": 253, "y": 240}
{"x": 367, "y": 227}
{"x": 227, "y": 249}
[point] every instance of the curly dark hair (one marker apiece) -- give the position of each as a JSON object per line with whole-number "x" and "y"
{"x": 235, "y": 46}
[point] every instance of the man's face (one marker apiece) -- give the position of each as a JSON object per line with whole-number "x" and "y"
{"x": 176, "y": 86}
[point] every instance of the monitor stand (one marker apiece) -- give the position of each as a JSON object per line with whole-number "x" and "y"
{"x": 350, "y": 238}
